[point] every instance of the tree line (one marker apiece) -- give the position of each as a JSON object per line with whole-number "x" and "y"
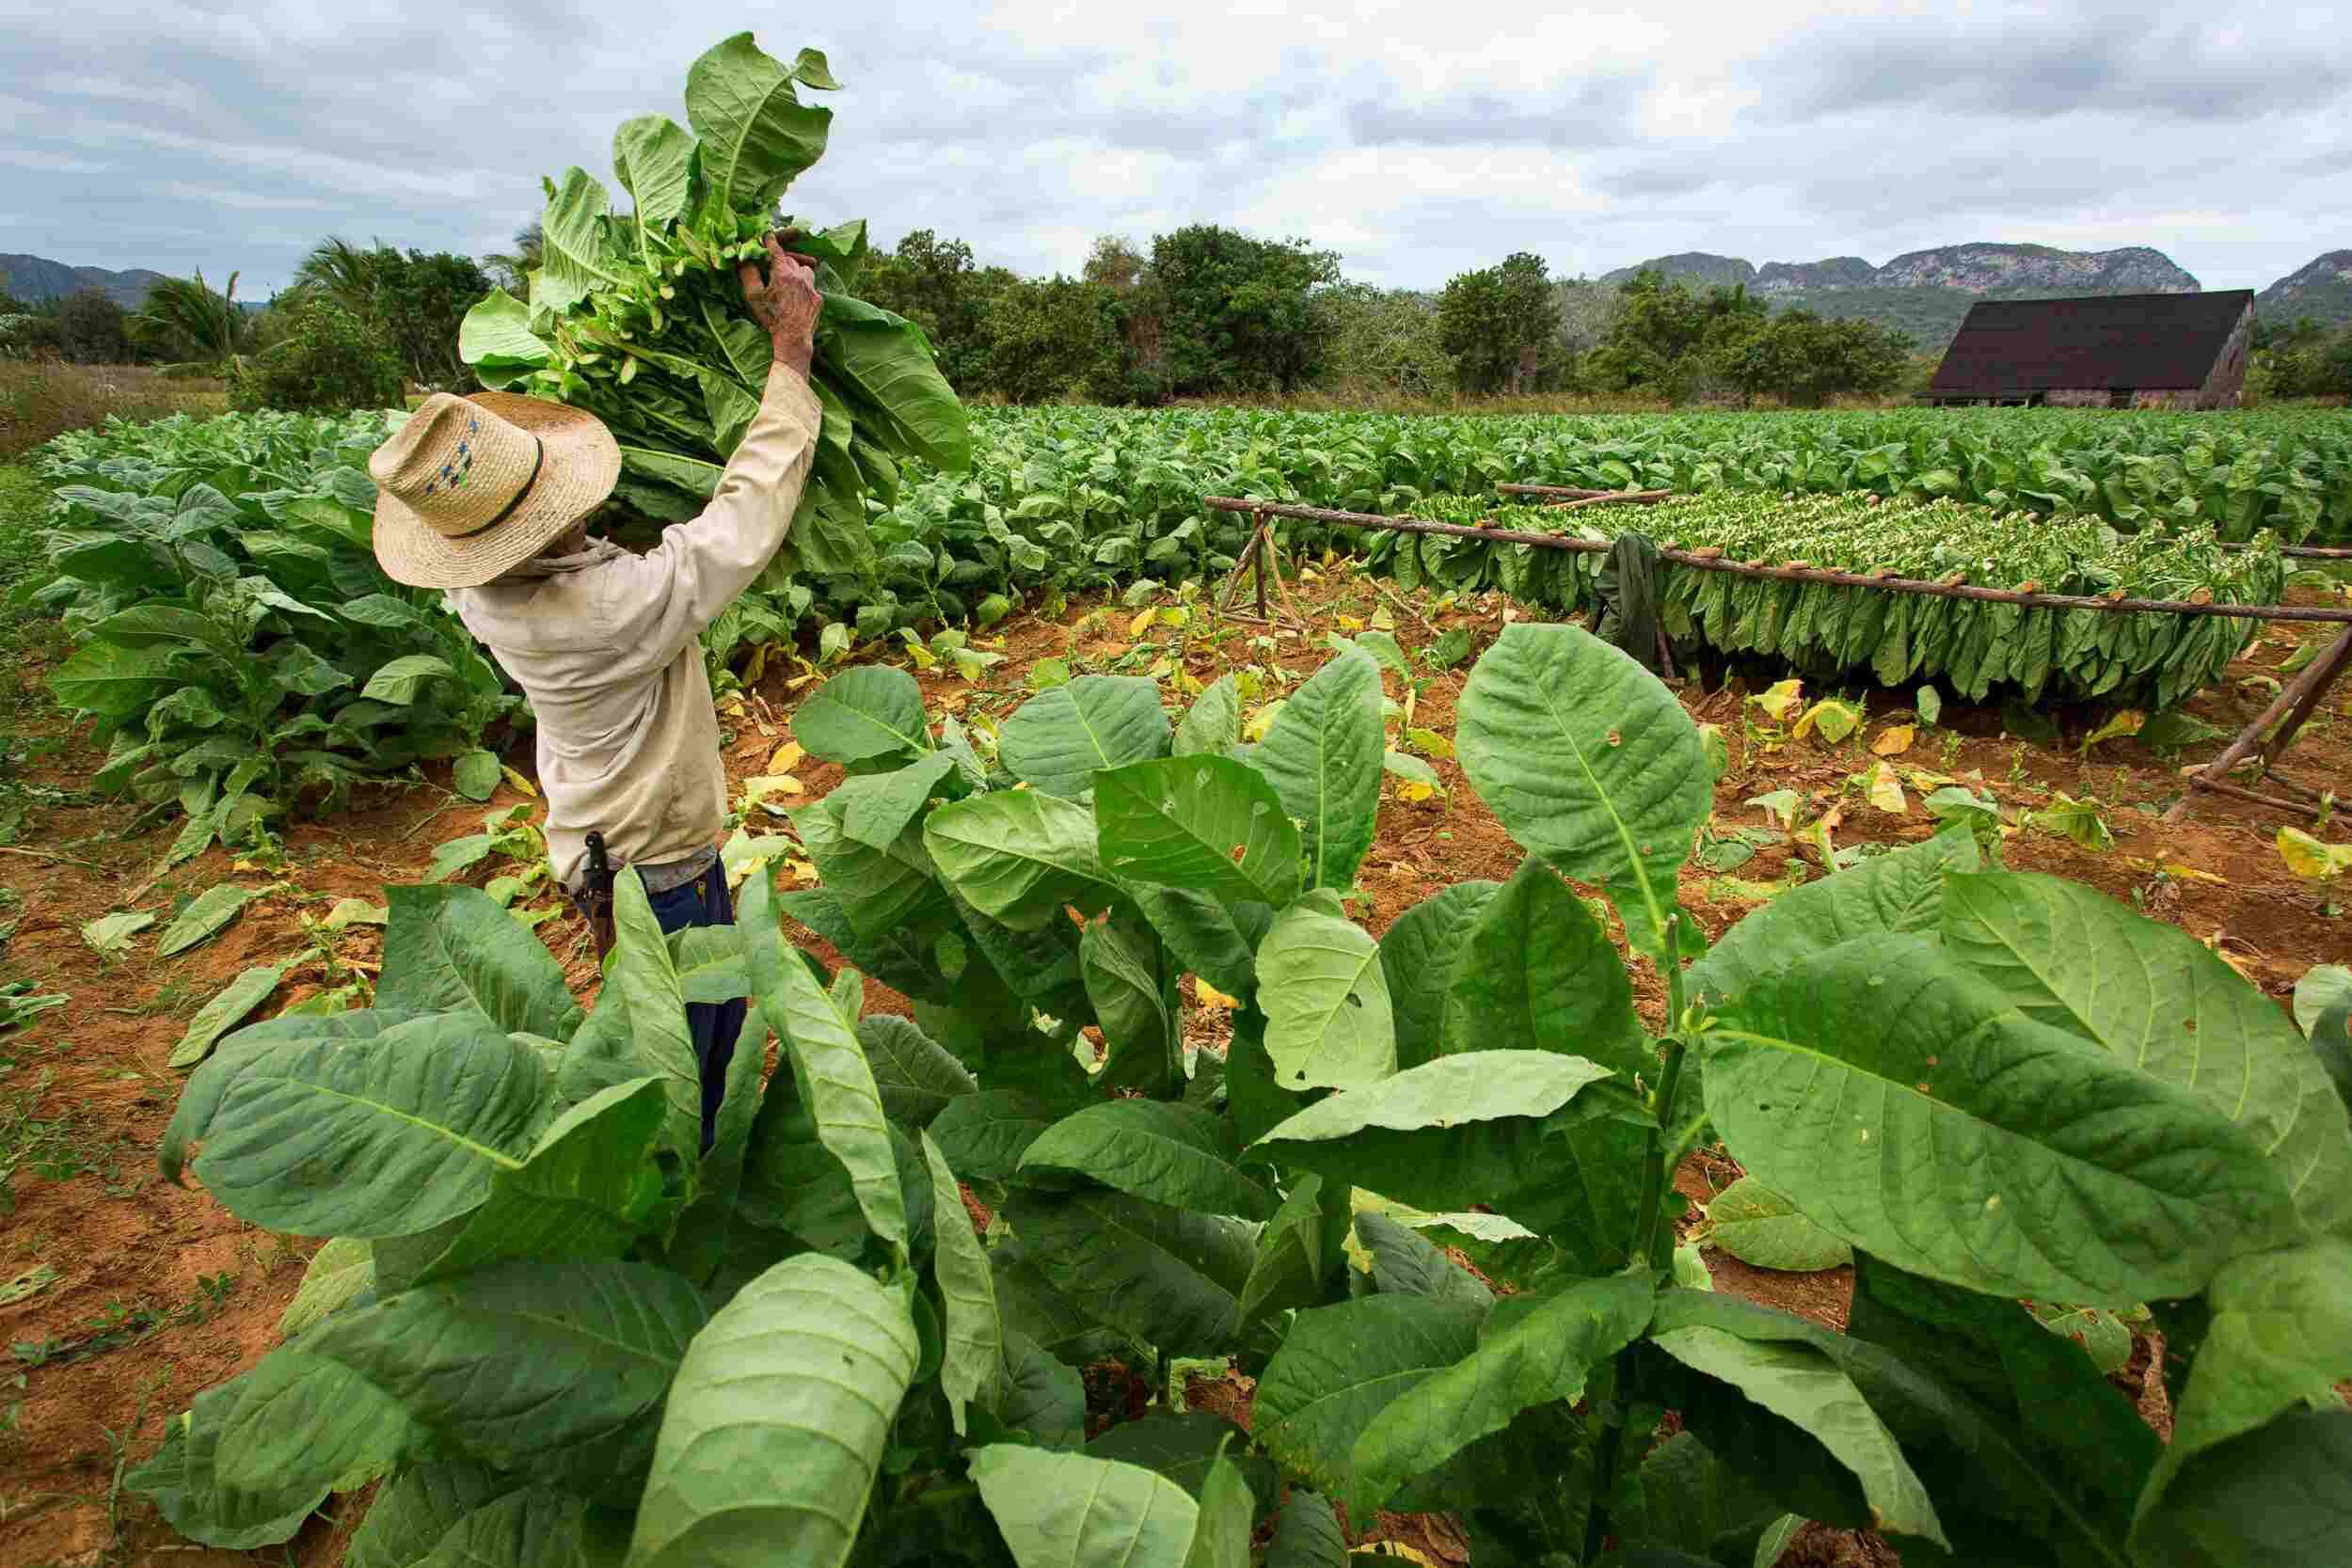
{"x": 1208, "y": 312}
{"x": 1201, "y": 313}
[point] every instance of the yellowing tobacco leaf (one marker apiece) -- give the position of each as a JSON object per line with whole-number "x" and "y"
{"x": 1833, "y": 718}
{"x": 1349, "y": 622}
{"x": 1415, "y": 791}
{"x": 1175, "y": 615}
{"x": 1886, "y": 790}
{"x": 1429, "y": 743}
{"x": 1894, "y": 740}
{"x": 2080, "y": 820}
{"x": 1715, "y": 749}
{"x": 2308, "y": 857}
{"x": 2124, "y": 724}
{"x": 1781, "y": 699}
{"x": 784, "y": 758}
{"x": 1210, "y": 996}
{"x": 521, "y": 783}
{"x": 1141, "y": 622}
{"x": 1189, "y": 684}
{"x": 1261, "y": 721}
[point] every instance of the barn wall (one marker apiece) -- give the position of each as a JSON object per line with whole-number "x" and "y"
{"x": 2226, "y": 387}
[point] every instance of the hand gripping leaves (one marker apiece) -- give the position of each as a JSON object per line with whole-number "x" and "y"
{"x": 580, "y": 1341}
{"x": 639, "y": 318}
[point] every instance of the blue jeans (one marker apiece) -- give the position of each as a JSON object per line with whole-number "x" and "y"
{"x": 713, "y": 1025}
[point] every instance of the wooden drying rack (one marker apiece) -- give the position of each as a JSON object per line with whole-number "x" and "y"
{"x": 2295, "y": 703}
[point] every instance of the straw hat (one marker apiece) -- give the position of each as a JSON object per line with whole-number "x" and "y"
{"x": 470, "y": 488}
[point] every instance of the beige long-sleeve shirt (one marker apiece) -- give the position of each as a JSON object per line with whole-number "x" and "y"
{"x": 605, "y": 645}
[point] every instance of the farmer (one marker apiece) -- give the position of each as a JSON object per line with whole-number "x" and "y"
{"x": 488, "y": 496}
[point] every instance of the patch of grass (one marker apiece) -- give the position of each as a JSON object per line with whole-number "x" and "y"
{"x": 23, "y": 506}
{"x": 51, "y": 1148}
{"x": 41, "y": 399}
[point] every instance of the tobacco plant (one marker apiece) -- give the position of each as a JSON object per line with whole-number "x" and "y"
{"x": 565, "y": 1337}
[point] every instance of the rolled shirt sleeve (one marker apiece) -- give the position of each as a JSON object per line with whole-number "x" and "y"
{"x": 662, "y": 601}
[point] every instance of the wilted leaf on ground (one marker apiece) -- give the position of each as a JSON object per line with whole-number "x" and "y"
{"x": 224, "y": 1012}
{"x": 1894, "y": 740}
{"x": 205, "y": 917}
{"x": 1886, "y": 790}
{"x": 109, "y": 936}
{"x": 1781, "y": 699}
{"x": 1835, "y": 719}
{"x": 2080, "y": 820}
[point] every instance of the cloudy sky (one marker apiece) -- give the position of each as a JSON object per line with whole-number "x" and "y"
{"x": 1415, "y": 139}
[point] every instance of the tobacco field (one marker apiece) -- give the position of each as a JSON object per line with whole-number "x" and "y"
{"x": 1405, "y": 1078}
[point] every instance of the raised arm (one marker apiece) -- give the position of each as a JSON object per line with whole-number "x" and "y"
{"x": 662, "y": 600}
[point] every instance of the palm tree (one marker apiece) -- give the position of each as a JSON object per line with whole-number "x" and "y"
{"x": 181, "y": 315}
{"x": 346, "y": 272}
{"x": 513, "y": 268}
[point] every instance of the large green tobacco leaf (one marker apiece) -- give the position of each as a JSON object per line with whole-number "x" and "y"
{"x": 1693, "y": 1502}
{"x": 1184, "y": 1448}
{"x": 179, "y": 1479}
{"x": 1165, "y": 1276}
{"x": 557, "y": 1370}
{"x": 1073, "y": 1511}
{"x": 1915, "y": 1115}
{"x": 877, "y": 807}
{"x": 1019, "y": 855}
{"x": 2158, "y": 999}
{"x": 1325, "y": 997}
{"x": 449, "y": 947}
{"x": 1044, "y": 1396}
{"x": 1141, "y": 1049}
{"x": 1212, "y": 726}
{"x": 881, "y": 893}
{"x": 1536, "y": 972}
{"x": 1060, "y": 739}
{"x": 1589, "y": 762}
{"x": 304, "y": 1421}
{"x": 1294, "y": 1252}
{"x": 587, "y": 1190}
{"x": 1544, "y": 1355}
{"x": 777, "y": 1424}
{"x": 1204, "y": 823}
{"x": 887, "y": 359}
{"x": 336, "y": 1275}
{"x": 1403, "y": 1263}
{"x": 112, "y": 682}
{"x": 1308, "y": 1534}
{"x": 913, "y": 1074}
{"x": 1760, "y": 1228}
{"x": 321, "y": 1134}
{"x": 417, "y": 1508}
{"x": 828, "y": 1065}
{"x": 863, "y": 714}
{"x": 534, "y": 1526}
{"x": 756, "y": 134}
{"x": 576, "y": 257}
{"x": 644, "y": 998}
{"x": 1174, "y": 1154}
{"x": 1444, "y": 1135}
{"x": 1204, "y": 936}
{"x": 1229, "y": 1512}
{"x": 985, "y": 1134}
{"x": 2277, "y": 1496}
{"x": 2073, "y": 1448}
{"x": 1340, "y": 1367}
{"x": 1898, "y": 891}
{"x": 653, "y": 158}
{"x": 1807, "y": 1389}
{"x": 1322, "y": 757}
{"x": 1417, "y": 953}
{"x": 2280, "y": 1338}
{"x": 972, "y": 1364}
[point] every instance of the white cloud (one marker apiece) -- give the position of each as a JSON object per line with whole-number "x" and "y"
{"x": 1415, "y": 139}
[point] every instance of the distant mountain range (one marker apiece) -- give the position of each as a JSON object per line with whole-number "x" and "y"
{"x": 2322, "y": 290}
{"x": 1925, "y": 293}
{"x": 35, "y": 278}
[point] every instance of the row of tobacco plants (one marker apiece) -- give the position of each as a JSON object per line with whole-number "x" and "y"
{"x": 241, "y": 650}
{"x": 557, "y": 1330}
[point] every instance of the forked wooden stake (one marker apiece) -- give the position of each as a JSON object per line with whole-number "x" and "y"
{"x": 1260, "y": 558}
{"x": 2294, "y": 704}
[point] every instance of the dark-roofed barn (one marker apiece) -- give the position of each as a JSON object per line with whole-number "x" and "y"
{"x": 2110, "y": 351}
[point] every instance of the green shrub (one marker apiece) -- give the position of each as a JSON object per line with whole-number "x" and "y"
{"x": 330, "y": 363}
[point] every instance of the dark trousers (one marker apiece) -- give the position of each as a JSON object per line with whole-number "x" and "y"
{"x": 714, "y": 1026}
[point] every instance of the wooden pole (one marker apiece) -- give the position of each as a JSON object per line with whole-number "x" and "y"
{"x": 2294, "y": 704}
